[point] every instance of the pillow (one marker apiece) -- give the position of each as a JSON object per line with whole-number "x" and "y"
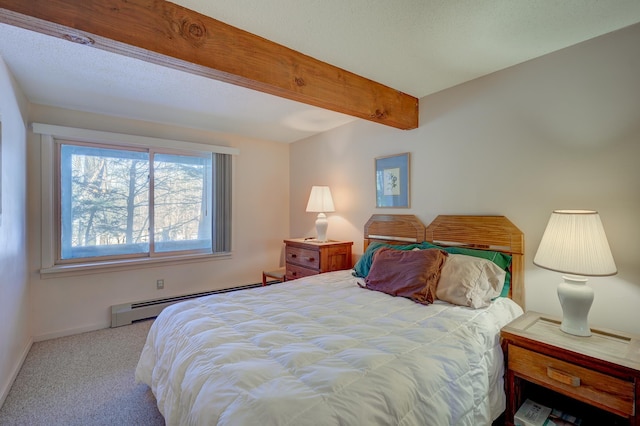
{"x": 406, "y": 273}
{"x": 501, "y": 259}
{"x": 470, "y": 281}
{"x": 362, "y": 266}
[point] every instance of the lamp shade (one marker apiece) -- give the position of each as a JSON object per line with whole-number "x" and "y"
{"x": 320, "y": 200}
{"x": 574, "y": 242}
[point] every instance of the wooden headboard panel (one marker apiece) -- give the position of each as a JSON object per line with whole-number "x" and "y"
{"x": 393, "y": 229}
{"x": 495, "y": 233}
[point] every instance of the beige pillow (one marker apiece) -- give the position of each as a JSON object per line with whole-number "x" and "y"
{"x": 469, "y": 281}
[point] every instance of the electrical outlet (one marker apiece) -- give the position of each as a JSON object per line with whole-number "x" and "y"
{"x": 160, "y": 284}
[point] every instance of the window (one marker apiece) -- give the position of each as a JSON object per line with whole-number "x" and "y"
{"x": 113, "y": 200}
{"x": 118, "y": 201}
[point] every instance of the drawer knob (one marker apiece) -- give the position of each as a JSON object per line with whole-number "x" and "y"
{"x": 562, "y": 377}
{"x": 311, "y": 259}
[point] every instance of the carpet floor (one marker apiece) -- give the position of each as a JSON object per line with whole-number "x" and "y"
{"x": 86, "y": 379}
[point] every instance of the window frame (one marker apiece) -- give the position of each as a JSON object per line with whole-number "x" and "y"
{"x": 51, "y": 262}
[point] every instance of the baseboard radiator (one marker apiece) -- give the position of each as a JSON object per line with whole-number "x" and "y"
{"x": 126, "y": 313}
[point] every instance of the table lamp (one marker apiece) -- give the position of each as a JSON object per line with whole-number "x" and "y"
{"x": 320, "y": 202}
{"x": 574, "y": 243}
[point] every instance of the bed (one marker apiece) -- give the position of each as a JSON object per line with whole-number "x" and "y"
{"x": 325, "y": 350}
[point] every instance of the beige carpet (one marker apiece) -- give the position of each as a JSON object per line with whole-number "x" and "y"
{"x": 87, "y": 379}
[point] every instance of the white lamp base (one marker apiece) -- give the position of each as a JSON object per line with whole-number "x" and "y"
{"x": 576, "y": 298}
{"x": 321, "y": 227}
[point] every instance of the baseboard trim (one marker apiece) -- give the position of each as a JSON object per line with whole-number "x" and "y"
{"x": 71, "y": 331}
{"x": 6, "y": 387}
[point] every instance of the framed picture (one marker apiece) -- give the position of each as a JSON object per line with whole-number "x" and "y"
{"x": 392, "y": 181}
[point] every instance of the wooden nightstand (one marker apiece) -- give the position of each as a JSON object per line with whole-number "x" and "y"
{"x": 596, "y": 378}
{"x": 309, "y": 257}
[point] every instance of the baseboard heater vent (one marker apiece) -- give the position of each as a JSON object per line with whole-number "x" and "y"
{"x": 126, "y": 313}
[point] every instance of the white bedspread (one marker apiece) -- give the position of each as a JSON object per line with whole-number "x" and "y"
{"x": 322, "y": 351}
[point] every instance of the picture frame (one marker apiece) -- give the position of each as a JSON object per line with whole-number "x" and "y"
{"x": 392, "y": 181}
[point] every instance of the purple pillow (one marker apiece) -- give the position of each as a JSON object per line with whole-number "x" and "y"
{"x": 412, "y": 274}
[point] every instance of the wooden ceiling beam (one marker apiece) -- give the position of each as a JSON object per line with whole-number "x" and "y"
{"x": 170, "y": 35}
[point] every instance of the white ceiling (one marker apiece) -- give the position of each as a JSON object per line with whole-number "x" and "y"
{"x": 415, "y": 46}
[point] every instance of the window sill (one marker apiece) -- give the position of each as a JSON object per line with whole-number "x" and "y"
{"x": 67, "y": 270}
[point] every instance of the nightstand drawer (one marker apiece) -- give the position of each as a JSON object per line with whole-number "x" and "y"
{"x": 592, "y": 387}
{"x": 295, "y": 271}
{"x": 303, "y": 257}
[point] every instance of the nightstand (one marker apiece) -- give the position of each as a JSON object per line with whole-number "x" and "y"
{"x": 596, "y": 378}
{"x": 309, "y": 257}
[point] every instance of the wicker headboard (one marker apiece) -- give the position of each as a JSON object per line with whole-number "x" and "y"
{"x": 495, "y": 233}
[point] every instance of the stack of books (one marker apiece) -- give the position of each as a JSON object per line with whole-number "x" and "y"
{"x": 533, "y": 414}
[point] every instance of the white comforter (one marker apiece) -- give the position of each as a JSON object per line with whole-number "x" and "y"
{"x": 323, "y": 351}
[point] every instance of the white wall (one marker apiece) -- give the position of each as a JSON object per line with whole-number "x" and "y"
{"x": 15, "y": 335}
{"x": 69, "y": 305}
{"x": 560, "y": 131}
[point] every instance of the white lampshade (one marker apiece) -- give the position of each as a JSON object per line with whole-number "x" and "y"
{"x": 574, "y": 242}
{"x": 320, "y": 201}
